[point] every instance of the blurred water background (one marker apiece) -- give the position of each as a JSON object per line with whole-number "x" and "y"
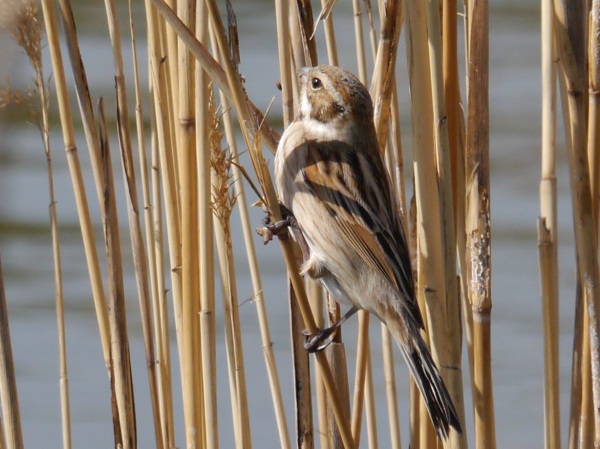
{"x": 27, "y": 256}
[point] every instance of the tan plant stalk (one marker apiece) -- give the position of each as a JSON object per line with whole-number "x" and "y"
{"x": 121, "y": 380}
{"x": 478, "y": 224}
{"x": 192, "y": 156}
{"x": 593, "y": 150}
{"x": 571, "y": 49}
{"x": 429, "y": 231}
{"x": 453, "y": 375}
{"x": 158, "y": 367}
{"x": 390, "y": 387}
{"x": 83, "y": 94}
{"x": 385, "y": 65}
{"x": 9, "y": 400}
{"x": 547, "y": 235}
{"x": 461, "y": 180}
{"x": 161, "y": 315}
{"x": 282, "y": 9}
{"x": 223, "y": 202}
{"x": 77, "y": 176}
{"x": 163, "y": 117}
{"x": 258, "y": 295}
{"x": 24, "y": 27}
{"x": 135, "y": 230}
{"x": 301, "y": 369}
{"x": 329, "y": 28}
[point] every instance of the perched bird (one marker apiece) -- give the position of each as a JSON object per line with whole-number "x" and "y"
{"x": 331, "y": 178}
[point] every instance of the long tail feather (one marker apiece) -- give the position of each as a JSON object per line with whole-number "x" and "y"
{"x": 431, "y": 385}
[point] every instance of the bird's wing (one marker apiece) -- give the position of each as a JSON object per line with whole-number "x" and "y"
{"x": 355, "y": 189}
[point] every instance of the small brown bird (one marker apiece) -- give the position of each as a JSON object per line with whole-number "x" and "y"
{"x": 331, "y": 178}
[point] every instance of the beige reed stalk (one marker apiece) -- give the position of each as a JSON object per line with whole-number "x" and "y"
{"x": 198, "y": 331}
{"x": 9, "y": 400}
{"x": 222, "y": 206}
{"x": 428, "y": 224}
{"x": 223, "y": 202}
{"x": 159, "y": 366}
{"x": 163, "y": 119}
{"x": 120, "y": 375}
{"x": 77, "y": 176}
{"x": 593, "y": 151}
{"x": 571, "y": 49}
{"x": 478, "y": 222}
{"x": 258, "y": 295}
{"x": 58, "y": 277}
{"x": 26, "y": 30}
{"x": 593, "y": 140}
{"x": 547, "y": 235}
{"x": 453, "y": 375}
{"x": 135, "y": 229}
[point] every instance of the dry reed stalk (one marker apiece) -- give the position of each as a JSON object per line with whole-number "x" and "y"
{"x": 336, "y": 355}
{"x": 477, "y": 224}
{"x": 282, "y": 12}
{"x": 121, "y": 380}
{"x": 547, "y": 236}
{"x": 77, "y": 177}
{"x": 453, "y": 374}
{"x": 158, "y": 366}
{"x": 135, "y": 230}
{"x": 9, "y": 400}
{"x": 460, "y": 210}
{"x": 255, "y": 117}
{"x": 223, "y": 203}
{"x": 329, "y": 29}
{"x": 385, "y": 64}
{"x": 362, "y": 360}
{"x": 161, "y": 315}
{"x": 370, "y": 399}
{"x": 593, "y": 150}
{"x": 301, "y": 369}
{"x": 431, "y": 254}
{"x": 258, "y": 294}
{"x": 25, "y": 29}
{"x": 390, "y": 388}
{"x": 163, "y": 119}
{"x": 571, "y": 48}
{"x": 593, "y": 140}
{"x": 83, "y": 94}
{"x": 196, "y": 231}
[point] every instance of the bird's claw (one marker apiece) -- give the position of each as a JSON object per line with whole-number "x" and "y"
{"x": 269, "y": 229}
{"x": 317, "y": 341}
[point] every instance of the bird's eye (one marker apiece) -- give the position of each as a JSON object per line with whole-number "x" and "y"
{"x": 316, "y": 83}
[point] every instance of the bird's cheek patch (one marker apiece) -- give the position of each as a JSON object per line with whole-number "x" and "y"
{"x": 305, "y": 107}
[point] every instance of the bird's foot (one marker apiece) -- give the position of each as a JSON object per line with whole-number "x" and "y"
{"x": 319, "y": 340}
{"x": 268, "y": 230}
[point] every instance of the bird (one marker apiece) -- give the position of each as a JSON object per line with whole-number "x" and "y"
{"x": 334, "y": 188}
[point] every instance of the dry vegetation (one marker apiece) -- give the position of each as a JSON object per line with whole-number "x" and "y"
{"x": 183, "y": 181}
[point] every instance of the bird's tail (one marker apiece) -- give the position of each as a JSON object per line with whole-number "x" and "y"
{"x": 431, "y": 385}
